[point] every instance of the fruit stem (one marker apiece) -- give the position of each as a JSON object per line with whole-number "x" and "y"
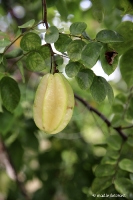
{"x": 53, "y": 68}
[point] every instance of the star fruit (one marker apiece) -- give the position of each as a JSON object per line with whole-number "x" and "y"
{"x": 53, "y": 104}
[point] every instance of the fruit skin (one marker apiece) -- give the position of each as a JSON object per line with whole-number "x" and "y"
{"x": 53, "y": 104}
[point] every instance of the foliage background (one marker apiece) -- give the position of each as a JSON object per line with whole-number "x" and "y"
{"x": 63, "y": 166}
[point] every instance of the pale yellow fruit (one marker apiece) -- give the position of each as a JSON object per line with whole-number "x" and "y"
{"x": 53, "y": 104}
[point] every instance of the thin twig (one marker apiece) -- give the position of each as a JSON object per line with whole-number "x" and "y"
{"x": 44, "y": 5}
{"x": 92, "y": 109}
{"x": 19, "y": 183}
{"x": 44, "y": 11}
{"x": 127, "y": 127}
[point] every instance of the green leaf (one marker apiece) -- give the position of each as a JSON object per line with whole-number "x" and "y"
{"x": 121, "y": 98}
{"x": 114, "y": 142}
{"x": 35, "y": 62}
{"x": 126, "y": 164}
{"x": 59, "y": 60}
{"x": 90, "y": 54}
{"x": 45, "y": 52}
{"x": 109, "y": 91}
{"x": 97, "y": 10}
{"x": 28, "y": 24}
{"x": 108, "y": 54}
{"x": 107, "y": 36}
{"x": 72, "y": 68}
{"x": 21, "y": 69}
{"x": 124, "y": 186}
{"x": 112, "y": 153}
{"x": 125, "y": 6}
{"x": 129, "y": 111}
{"x": 85, "y": 36}
{"x": 98, "y": 14}
{"x": 130, "y": 141}
{"x": 14, "y": 53}
{"x": 1, "y": 58}
{"x": 116, "y": 120}
{"x": 10, "y": 93}
{"x": 101, "y": 183}
{"x": 4, "y": 42}
{"x": 51, "y": 3}
{"x": 117, "y": 108}
{"x": 126, "y": 67}
{"x": 122, "y": 29}
{"x": 30, "y": 41}
{"x": 127, "y": 35}
{"x": 52, "y": 34}
{"x": 108, "y": 160}
{"x": 4, "y": 35}
{"x": 78, "y": 28}
{"x": 104, "y": 170}
{"x": 85, "y": 78}
{"x": 74, "y": 49}
{"x": 98, "y": 89}
{"x": 16, "y": 149}
{"x": 2, "y": 49}
{"x": 62, "y": 43}
{"x": 62, "y": 8}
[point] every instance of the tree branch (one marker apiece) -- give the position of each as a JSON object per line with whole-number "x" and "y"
{"x": 18, "y": 181}
{"x": 108, "y": 123}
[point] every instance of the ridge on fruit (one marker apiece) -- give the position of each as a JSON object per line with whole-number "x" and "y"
{"x": 53, "y": 104}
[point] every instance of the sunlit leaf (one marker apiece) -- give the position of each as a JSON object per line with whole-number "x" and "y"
{"x": 4, "y": 42}
{"x": 126, "y": 164}
{"x": 28, "y": 24}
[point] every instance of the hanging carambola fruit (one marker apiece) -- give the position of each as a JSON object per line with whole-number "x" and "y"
{"x": 53, "y": 104}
